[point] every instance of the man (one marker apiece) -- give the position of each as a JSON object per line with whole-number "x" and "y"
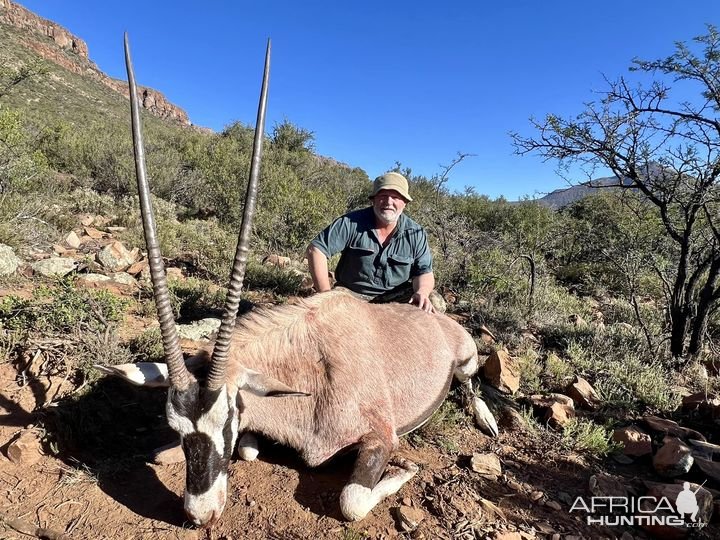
{"x": 384, "y": 253}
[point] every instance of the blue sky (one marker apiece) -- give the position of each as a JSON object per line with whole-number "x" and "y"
{"x": 386, "y": 81}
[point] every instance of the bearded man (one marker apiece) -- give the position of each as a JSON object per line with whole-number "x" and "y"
{"x": 384, "y": 254}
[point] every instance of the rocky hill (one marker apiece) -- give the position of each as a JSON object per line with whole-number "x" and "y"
{"x": 561, "y": 198}
{"x": 54, "y": 43}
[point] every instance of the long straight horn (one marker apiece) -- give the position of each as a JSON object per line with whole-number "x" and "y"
{"x": 222, "y": 344}
{"x": 179, "y": 374}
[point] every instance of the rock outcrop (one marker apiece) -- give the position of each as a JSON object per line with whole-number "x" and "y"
{"x": 71, "y": 53}
{"x": 19, "y": 17}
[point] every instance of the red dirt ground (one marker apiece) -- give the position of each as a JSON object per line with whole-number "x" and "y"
{"x": 100, "y": 486}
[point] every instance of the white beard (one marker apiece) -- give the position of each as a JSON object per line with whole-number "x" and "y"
{"x": 387, "y": 216}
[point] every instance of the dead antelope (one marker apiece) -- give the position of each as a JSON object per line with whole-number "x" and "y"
{"x": 345, "y": 374}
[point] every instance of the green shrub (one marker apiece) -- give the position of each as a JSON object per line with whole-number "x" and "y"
{"x": 280, "y": 281}
{"x": 148, "y": 346}
{"x": 438, "y": 430}
{"x": 623, "y": 377}
{"x": 23, "y": 167}
{"x": 27, "y": 222}
{"x": 194, "y": 299}
{"x": 530, "y": 371}
{"x": 627, "y": 381}
{"x": 558, "y": 372}
{"x": 61, "y": 308}
{"x": 16, "y": 313}
{"x": 100, "y": 348}
{"x": 582, "y": 434}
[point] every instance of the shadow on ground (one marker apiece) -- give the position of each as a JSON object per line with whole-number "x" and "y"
{"x": 111, "y": 431}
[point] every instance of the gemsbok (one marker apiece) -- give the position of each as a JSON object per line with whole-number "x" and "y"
{"x": 327, "y": 374}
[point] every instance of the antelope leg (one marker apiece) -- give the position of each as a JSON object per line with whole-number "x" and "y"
{"x": 484, "y": 419}
{"x": 366, "y": 489}
{"x": 248, "y": 447}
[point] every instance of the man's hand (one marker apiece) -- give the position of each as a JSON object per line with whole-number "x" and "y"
{"x": 422, "y": 301}
{"x": 423, "y": 286}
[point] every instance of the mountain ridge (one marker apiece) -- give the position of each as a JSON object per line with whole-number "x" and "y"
{"x": 58, "y": 45}
{"x": 562, "y": 197}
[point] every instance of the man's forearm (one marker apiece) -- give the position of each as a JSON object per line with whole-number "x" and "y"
{"x": 424, "y": 283}
{"x": 318, "y": 266}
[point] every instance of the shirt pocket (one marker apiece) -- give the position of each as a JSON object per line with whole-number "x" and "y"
{"x": 398, "y": 269}
{"x": 361, "y": 261}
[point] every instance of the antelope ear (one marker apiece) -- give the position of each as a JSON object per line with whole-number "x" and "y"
{"x": 149, "y": 374}
{"x": 262, "y": 385}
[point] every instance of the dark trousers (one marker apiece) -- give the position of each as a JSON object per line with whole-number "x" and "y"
{"x": 402, "y": 295}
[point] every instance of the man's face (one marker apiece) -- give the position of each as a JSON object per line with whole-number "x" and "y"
{"x": 388, "y": 204}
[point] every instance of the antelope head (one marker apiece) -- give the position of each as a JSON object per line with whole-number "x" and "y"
{"x": 204, "y": 414}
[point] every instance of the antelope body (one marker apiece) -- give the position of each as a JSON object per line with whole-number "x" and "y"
{"x": 344, "y": 373}
{"x": 368, "y": 369}
{"x": 324, "y": 375}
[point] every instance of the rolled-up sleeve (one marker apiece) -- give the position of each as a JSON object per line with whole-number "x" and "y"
{"x": 423, "y": 256}
{"x": 334, "y": 238}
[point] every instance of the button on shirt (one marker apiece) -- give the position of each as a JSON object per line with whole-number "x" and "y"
{"x": 366, "y": 266}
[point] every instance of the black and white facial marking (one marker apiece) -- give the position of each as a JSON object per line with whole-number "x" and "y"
{"x": 207, "y": 422}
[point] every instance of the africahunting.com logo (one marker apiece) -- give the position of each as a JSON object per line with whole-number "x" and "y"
{"x": 613, "y": 511}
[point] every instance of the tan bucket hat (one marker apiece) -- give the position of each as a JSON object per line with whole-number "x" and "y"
{"x": 392, "y": 180}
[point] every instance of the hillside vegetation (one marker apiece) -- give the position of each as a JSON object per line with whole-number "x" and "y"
{"x": 588, "y": 290}
{"x": 67, "y": 151}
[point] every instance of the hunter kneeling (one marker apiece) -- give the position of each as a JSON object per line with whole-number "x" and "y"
{"x": 385, "y": 255}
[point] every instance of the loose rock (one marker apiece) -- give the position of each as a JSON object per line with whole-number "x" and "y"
{"x": 703, "y": 498}
{"x": 124, "y": 278}
{"x": 703, "y": 449}
{"x": 710, "y": 468}
{"x": 94, "y": 233}
{"x": 9, "y": 262}
{"x": 73, "y": 240}
{"x": 555, "y": 409}
{"x": 554, "y": 505}
{"x": 502, "y": 371}
{"x": 409, "y": 517}
{"x": 198, "y": 329}
{"x": 491, "y": 510}
{"x": 706, "y": 405}
{"x": 507, "y": 535}
{"x": 673, "y": 459}
{"x": 115, "y": 257}
{"x": 25, "y": 450}
{"x": 276, "y": 260}
{"x": 138, "y": 267}
{"x": 635, "y": 441}
{"x": 174, "y": 273}
{"x": 558, "y": 415}
{"x": 672, "y": 428}
{"x": 54, "y": 267}
{"x": 487, "y": 465}
{"x": 583, "y": 394}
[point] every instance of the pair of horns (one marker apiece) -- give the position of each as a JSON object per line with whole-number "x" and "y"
{"x": 179, "y": 375}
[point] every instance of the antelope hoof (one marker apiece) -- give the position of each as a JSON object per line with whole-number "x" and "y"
{"x": 404, "y": 464}
{"x": 483, "y": 417}
{"x": 248, "y": 447}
